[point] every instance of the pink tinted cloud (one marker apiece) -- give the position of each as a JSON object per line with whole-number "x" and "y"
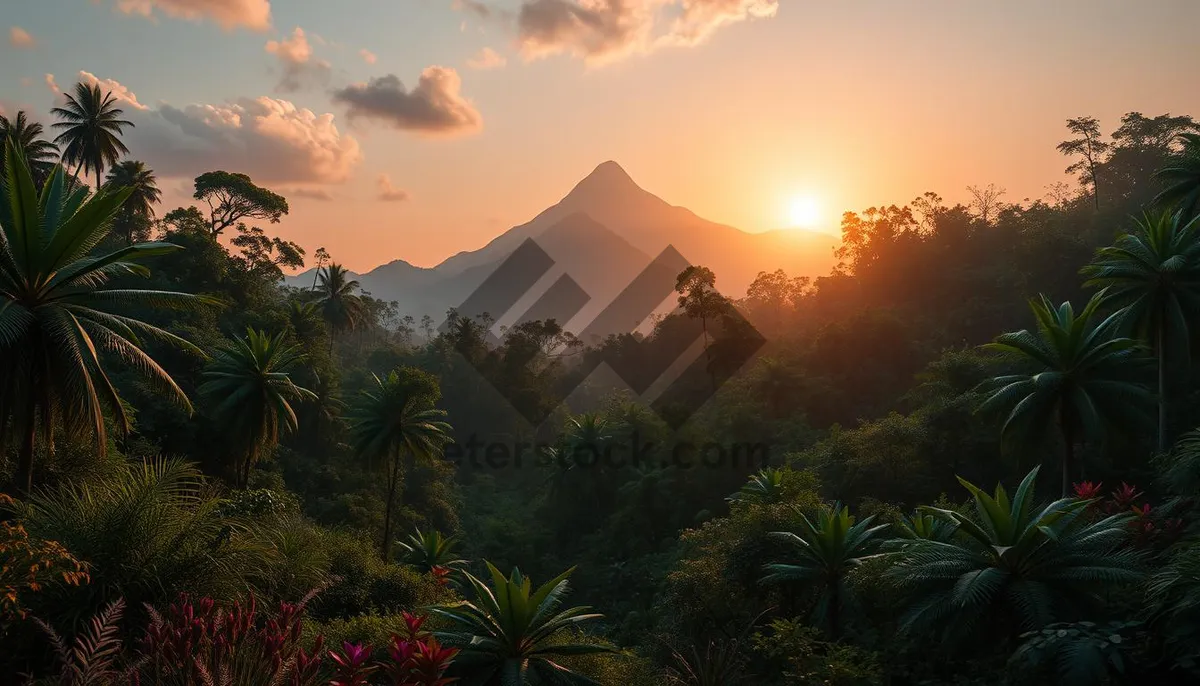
{"x": 299, "y": 68}
{"x": 600, "y": 31}
{"x": 434, "y": 106}
{"x": 228, "y": 14}
{"x": 20, "y": 38}
{"x": 388, "y": 192}
{"x": 118, "y": 91}
{"x": 487, "y": 59}
{"x": 272, "y": 140}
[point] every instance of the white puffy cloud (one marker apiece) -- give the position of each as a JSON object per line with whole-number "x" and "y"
{"x": 118, "y": 91}
{"x": 229, "y": 14}
{"x": 295, "y": 57}
{"x": 604, "y": 30}
{"x": 272, "y": 140}
{"x": 434, "y": 106}
{"x": 487, "y": 59}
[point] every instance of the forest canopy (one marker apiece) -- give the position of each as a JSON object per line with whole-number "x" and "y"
{"x": 967, "y": 455}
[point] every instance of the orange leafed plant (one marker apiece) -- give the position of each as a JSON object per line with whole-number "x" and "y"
{"x": 27, "y": 564}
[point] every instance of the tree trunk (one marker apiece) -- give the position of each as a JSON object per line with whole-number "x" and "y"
{"x": 25, "y": 458}
{"x": 707, "y": 357}
{"x": 1068, "y": 449}
{"x": 245, "y": 477}
{"x": 1161, "y": 344}
{"x": 386, "y": 548}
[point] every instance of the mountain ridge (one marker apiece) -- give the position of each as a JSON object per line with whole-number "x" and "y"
{"x": 602, "y": 233}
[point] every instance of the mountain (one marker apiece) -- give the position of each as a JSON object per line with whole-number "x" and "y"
{"x": 602, "y": 234}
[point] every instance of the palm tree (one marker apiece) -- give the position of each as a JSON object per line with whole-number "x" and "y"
{"x": 39, "y": 153}
{"x": 138, "y": 210}
{"x": 429, "y": 549}
{"x": 1181, "y": 175}
{"x": 1154, "y": 273}
{"x": 341, "y": 308}
{"x": 394, "y": 420}
{"x": 57, "y": 313}
{"x": 91, "y": 130}
{"x": 511, "y": 634}
{"x": 828, "y": 549}
{"x": 1080, "y": 376}
{"x": 250, "y": 389}
{"x": 1011, "y": 564}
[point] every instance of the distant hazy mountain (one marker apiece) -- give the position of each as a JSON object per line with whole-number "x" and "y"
{"x": 603, "y": 233}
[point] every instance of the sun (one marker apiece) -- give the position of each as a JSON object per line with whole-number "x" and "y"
{"x": 804, "y": 212}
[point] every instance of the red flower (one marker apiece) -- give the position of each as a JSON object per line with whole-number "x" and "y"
{"x": 441, "y": 574}
{"x": 1086, "y": 490}
{"x": 1125, "y": 496}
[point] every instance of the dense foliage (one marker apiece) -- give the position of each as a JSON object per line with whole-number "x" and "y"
{"x": 916, "y": 480}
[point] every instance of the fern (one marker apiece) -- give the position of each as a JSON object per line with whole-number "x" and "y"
{"x": 91, "y": 659}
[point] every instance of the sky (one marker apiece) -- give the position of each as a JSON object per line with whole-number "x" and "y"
{"x": 415, "y": 129}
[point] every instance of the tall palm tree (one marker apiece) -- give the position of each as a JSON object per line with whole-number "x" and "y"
{"x": 1079, "y": 376}
{"x": 511, "y": 634}
{"x": 252, "y": 394}
{"x": 91, "y": 130}
{"x": 394, "y": 420}
{"x": 39, "y": 153}
{"x": 340, "y": 306}
{"x": 1181, "y": 175}
{"x": 138, "y": 210}
{"x": 829, "y": 549}
{"x": 57, "y": 314}
{"x": 1011, "y": 565}
{"x": 1153, "y": 272}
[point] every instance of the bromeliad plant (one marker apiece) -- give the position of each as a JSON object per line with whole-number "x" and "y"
{"x": 196, "y": 641}
{"x": 430, "y": 550}
{"x": 1012, "y": 566}
{"x": 763, "y": 488}
{"x": 512, "y": 634}
{"x": 829, "y": 549}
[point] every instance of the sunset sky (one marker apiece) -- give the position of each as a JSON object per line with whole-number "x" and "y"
{"x": 415, "y": 129}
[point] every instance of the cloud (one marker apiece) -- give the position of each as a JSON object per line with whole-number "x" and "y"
{"x": 435, "y": 106}
{"x": 20, "y": 38}
{"x": 368, "y": 56}
{"x": 600, "y": 31}
{"x": 272, "y": 140}
{"x": 700, "y": 18}
{"x": 118, "y": 91}
{"x": 318, "y": 194}
{"x": 388, "y": 192}
{"x": 295, "y": 56}
{"x": 487, "y": 59}
{"x": 479, "y": 9}
{"x": 228, "y": 14}
{"x": 52, "y": 84}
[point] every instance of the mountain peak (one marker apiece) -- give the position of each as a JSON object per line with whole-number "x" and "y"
{"x": 608, "y": 181}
